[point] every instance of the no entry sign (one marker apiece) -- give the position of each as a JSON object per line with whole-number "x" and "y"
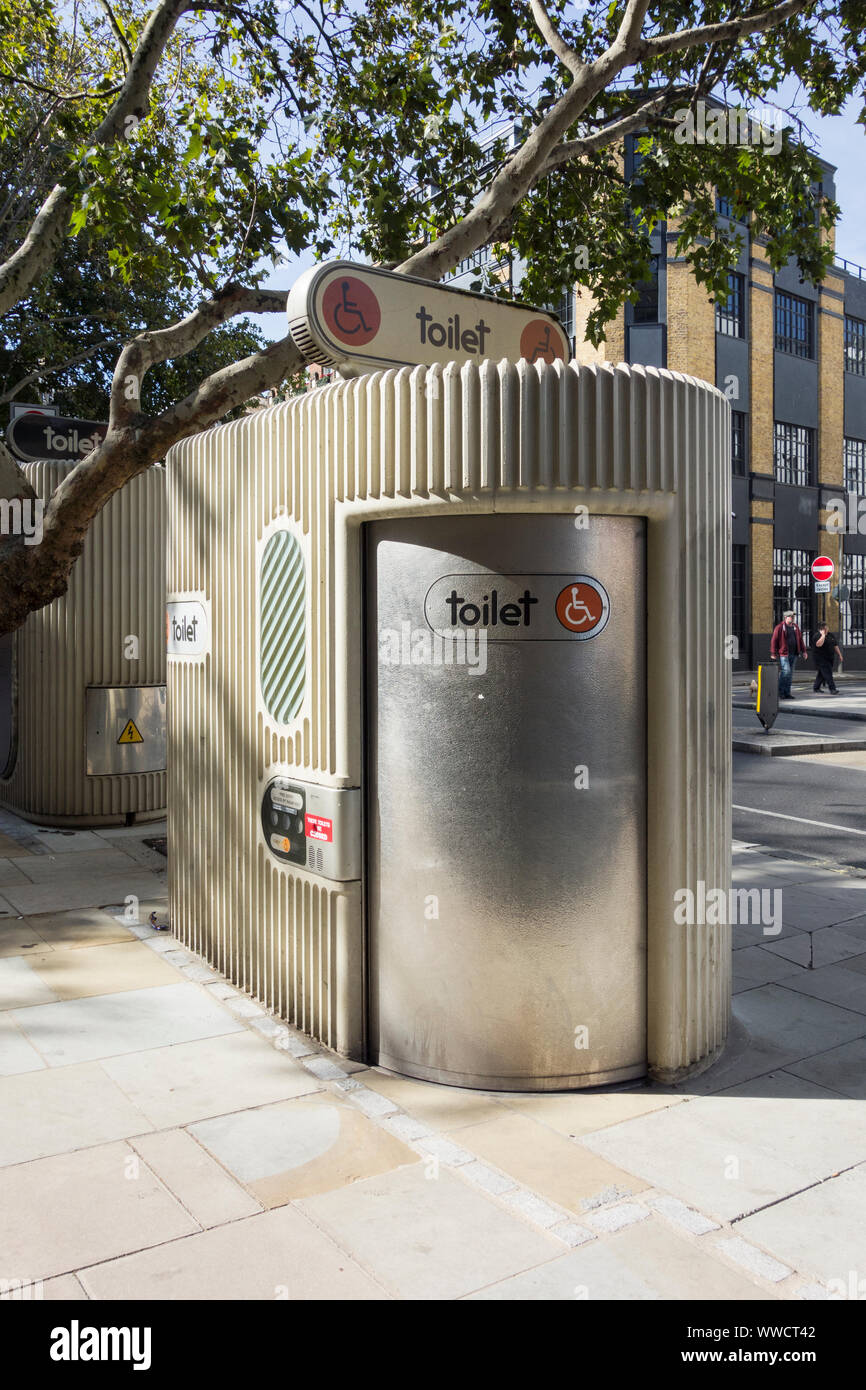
{"x": 822, "y": 567}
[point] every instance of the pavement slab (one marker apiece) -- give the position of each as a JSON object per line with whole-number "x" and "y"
{"x": 137, "y": 1084}
{"x": 16, "y": 1053}
{"x": 80, "y": 1030}
{"x": 428, "y": 1237}
{"x": 645, "y": 1261}
{"x": 191, "y": 1081}
{"x": 298, "y": 1148}
{"x": 819, "y": 1231}
{"x": 60, "y": 1110}
{"x": 198, "y": 1182}
{"x": 558, "y": 1169}
{"x": 275, "y": 1255}
{"x": 58, "y": 1214}
{"x": 841, "y": 1069}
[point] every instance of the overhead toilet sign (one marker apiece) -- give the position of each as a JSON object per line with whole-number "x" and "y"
{"x": 362, "y": 319}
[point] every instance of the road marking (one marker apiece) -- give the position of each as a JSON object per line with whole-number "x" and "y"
{"x": 824, "y": 825}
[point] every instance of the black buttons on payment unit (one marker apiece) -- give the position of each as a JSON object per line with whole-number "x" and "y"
{"x": 283, "y": 807}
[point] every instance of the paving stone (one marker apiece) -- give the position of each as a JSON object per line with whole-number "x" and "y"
{"x": 58, "y": 1110}
{"x": 215, "y": 1076}
{"x": 61, "y": 1213}
{"x": 293, "y": 1044}
{"x": 298, "y": 1148}
{"x": 404, "y": 1127}
{"x": 571, "y": 1233}
{"x": 199, "y": 974}
{"x": 428, "y": 1238}
{"x": 275, "y": 1255}
{"x": 685, "y": 1216}
{"x": 841, "y": 1069}
{"x": 818, "y": 1231}
{"x": 16, "y": 1053}
{"x": 487, "y": 1178}
{"x": 835, "y": 984}
{"x": 644, "y": 1261}
{"x": 615, "y": 1218}
{"x": 323, "y": 1068}
{"x": 268, "y": 1027}
{"x": 134, "y": 1021}
{"x": 753, "y": 1259}
{"x": 207, "y": 1191}
{"x": 446, "y": 1151}
{"x": 243, "y": 1007}
{"x": 532, "y": 1207}
{"x": 371, "y": 1102}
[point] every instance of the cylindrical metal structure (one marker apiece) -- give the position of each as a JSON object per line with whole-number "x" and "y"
{"x": 84, "y": 695}
{"x": 588, "y": 780}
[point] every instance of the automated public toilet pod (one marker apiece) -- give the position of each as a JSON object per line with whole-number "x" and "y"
{"x": 82, "y": 681}
{"x": 449, "y": 723}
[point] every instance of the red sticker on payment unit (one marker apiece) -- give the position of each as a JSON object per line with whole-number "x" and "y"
{"x": 319, "y": 828}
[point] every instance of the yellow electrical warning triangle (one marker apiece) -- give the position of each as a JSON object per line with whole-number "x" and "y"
{"x": 130, "y": 734}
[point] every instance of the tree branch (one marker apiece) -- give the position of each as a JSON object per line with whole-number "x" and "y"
{"x": 158, "y": 344}
{"x": 617, "y": 130}
{"x": 123, "y": 44}
{"x": 741, "y": 28}
{"x": 554, "y": 40}
{"x": 48, "y": 228}
{"x": 10, "y": 395}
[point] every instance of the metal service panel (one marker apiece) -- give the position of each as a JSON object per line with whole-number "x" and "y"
{"x": 318, "y": 828}
{"x": 506, "y": 660}
{"x": 125, "y": 729}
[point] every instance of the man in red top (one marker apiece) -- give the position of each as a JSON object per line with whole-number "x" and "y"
{"x": 786, "y": 644}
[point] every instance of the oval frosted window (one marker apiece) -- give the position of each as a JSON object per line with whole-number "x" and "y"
{"x": 282, "y": 627}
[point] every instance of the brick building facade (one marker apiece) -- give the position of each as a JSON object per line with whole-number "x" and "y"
{"x": 792, "y": 359}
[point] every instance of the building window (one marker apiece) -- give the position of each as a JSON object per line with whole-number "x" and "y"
{"x": 855, "y": 466}
{"x": 738, "y": 596}
{"x": 725, "y": 208}
{"x": 792, "y": 587}
{"x": 793, "y": 454}
{"x": 853, "y": 611}
{"x": 646, "y": 306}
{"x": 739, "y": 442}
{"x": 565, "y": 313}
{"x": 855, "y": 345}
{"x": 795, "y": 325}
{"x": 731, "y": 316}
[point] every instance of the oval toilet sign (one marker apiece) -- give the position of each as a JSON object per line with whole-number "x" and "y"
{"x": 518, "y": 607}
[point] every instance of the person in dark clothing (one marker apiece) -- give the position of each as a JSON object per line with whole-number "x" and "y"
{"x": 786, "y": 644}
{"x": 824, "y": 649}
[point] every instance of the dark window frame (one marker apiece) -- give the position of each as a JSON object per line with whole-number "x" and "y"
{"x": 854, "y": 464}
{"x": 792, "y": 587}
{"x": 855, "y": 345}
{"x": 852, "y": 613}
{"x": 793, "y": 454}
{"x": 731, "y": 315}
{"x": 794, "y": 325}
{"x": 739, "y": 443}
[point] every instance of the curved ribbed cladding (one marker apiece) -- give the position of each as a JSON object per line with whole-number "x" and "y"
{"x": 495, "y": 436}
{"x": 116, "y": 589}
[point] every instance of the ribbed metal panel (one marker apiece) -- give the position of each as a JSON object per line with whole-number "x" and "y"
{"x": 499, "y": 437}
{"x": 117, "y": 588}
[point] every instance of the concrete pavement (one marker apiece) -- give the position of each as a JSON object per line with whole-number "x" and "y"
{"x": 163, "y": 1137}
